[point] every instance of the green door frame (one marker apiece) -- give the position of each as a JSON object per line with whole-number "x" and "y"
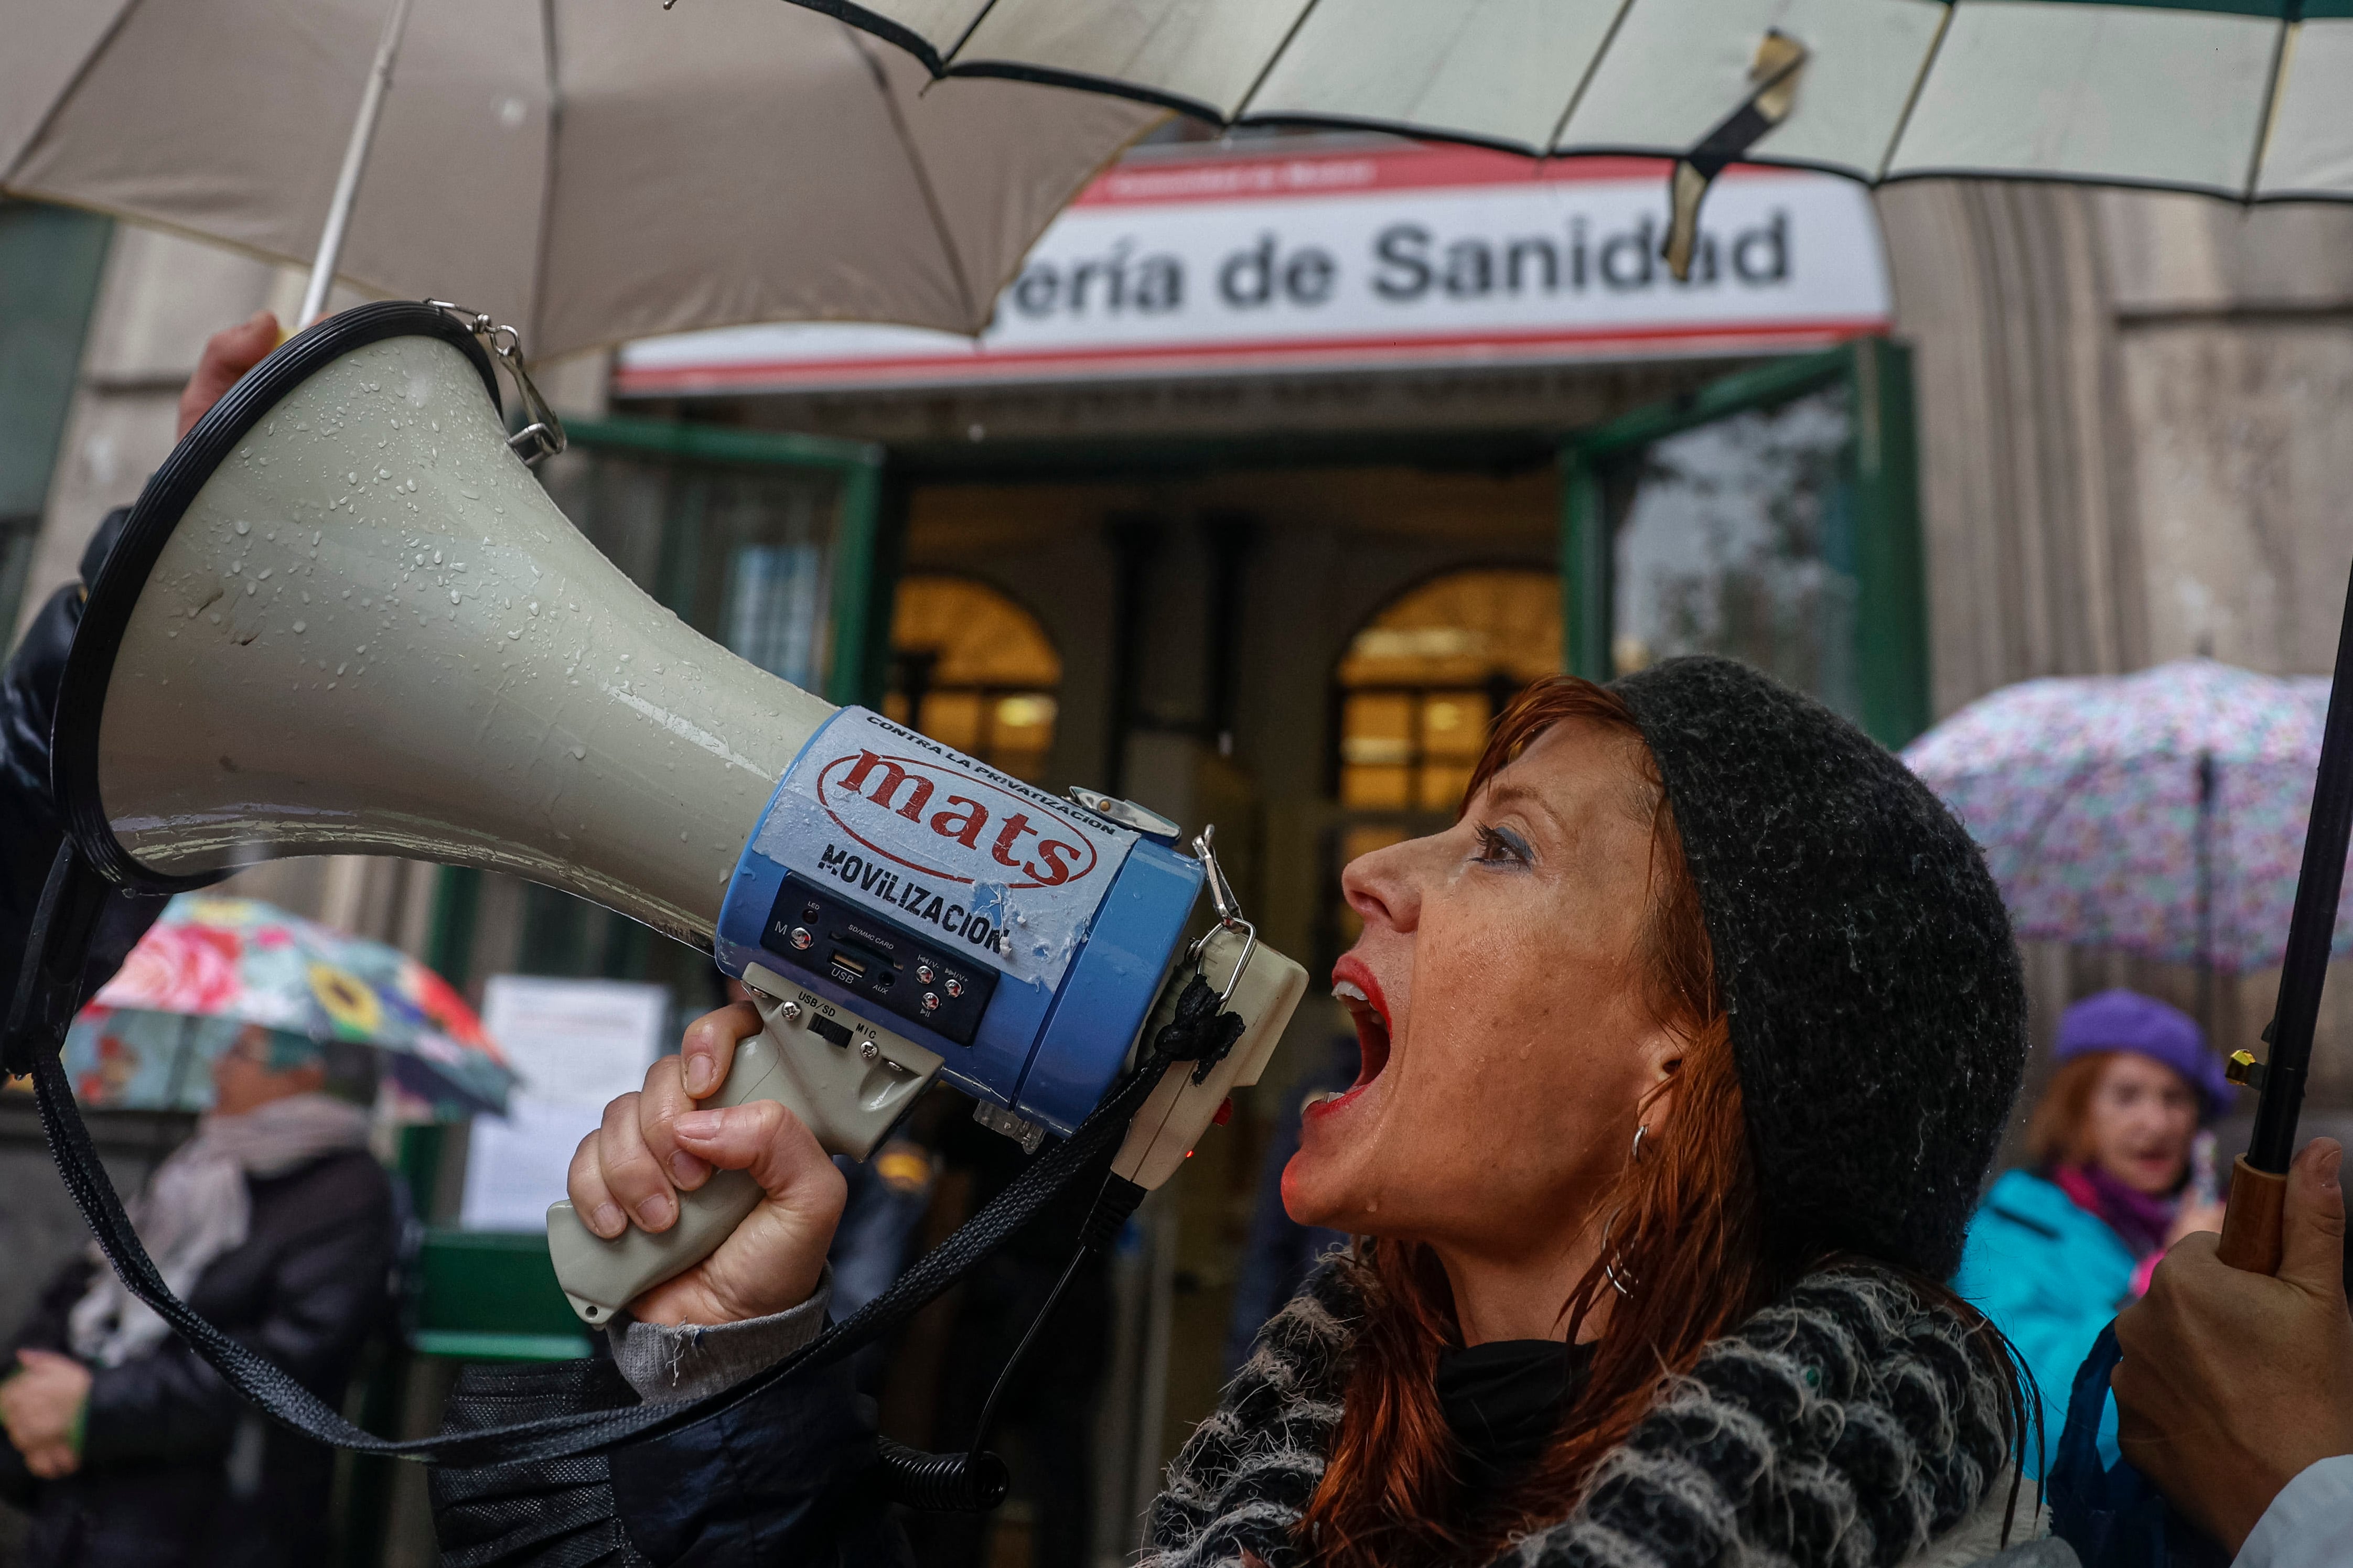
{"x": 1882, "y": 479}
{"x": 865, "y": 550}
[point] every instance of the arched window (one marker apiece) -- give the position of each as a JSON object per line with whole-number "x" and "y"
{"x": 1415, "y": 692}
{"x": 1422, "y": 677}
{"x": 973, "y": 670}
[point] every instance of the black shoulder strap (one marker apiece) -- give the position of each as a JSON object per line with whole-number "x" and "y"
{"x": 37, "y": 1030}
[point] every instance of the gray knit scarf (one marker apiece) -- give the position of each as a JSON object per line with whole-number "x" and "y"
{"x": 1846, "y": 1425}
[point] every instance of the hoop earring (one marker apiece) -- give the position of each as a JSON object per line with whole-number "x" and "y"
{"x": 1636, "y": 1152}
{"x": 1623, "y": 1284}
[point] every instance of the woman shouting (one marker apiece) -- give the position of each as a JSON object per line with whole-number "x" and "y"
{"x": 1685, "y": 1052}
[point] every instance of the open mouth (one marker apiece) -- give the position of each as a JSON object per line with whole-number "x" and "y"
{"x": 1354, "y": 987}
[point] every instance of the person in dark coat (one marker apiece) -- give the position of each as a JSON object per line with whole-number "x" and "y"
{"x": 277, "y": 1225}
{"x": 31, "y": 825}
{"x": 34, "y": 827}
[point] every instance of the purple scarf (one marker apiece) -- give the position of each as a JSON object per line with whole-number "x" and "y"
{"x": 2141, "y": 1220}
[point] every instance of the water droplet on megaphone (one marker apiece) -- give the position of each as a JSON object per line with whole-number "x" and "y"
{"x": 433, "y": 756}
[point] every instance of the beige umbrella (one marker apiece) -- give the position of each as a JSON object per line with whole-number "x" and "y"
{"x": 2242, "y": 99}
{"x": 588, "y": 171}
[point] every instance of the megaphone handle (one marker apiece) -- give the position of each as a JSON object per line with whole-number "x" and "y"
{"x": 601, "y": 1277}
{"x": 846, "y": 1094}
{"x": 2250, "y": 1225}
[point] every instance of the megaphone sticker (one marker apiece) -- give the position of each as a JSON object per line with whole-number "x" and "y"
{"x": 872, "y": 787}
{"x": 913, "y": 830}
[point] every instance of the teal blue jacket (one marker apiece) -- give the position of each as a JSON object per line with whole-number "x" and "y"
{"x": 2051, "y": 1276}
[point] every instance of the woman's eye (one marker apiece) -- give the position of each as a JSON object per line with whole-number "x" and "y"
{"x": 1502, "y": 847}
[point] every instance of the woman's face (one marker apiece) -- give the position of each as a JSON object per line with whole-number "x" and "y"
{"x": 242, "y": 1081}
{"x": 1498, "y": 995}
{"x": 2140, "y": 1123}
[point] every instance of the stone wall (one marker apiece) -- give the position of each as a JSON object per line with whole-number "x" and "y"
{"x": 2137, "y": 445}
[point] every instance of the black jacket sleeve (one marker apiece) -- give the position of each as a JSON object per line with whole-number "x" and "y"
{"x": 315, "y": 1294}
{"x": 43, "y": 1328}
{"x": 31, "y": 826}
{"x": 790, "y": 1475}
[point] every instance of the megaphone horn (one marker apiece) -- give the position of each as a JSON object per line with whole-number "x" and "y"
{"x": 345, "y": 618}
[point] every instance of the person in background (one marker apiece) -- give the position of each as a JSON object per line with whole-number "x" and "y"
{"x": 2237, "y": 1388}
{"x": 2056, "y": 1250}
{"x": 274, "y": 1223}
{"x": 1045, "y": 1428}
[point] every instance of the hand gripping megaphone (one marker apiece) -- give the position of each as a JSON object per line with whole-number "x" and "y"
{"x": 345, "y": 618}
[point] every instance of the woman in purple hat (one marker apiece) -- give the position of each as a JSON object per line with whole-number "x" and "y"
{"x": 2057, "y": 1249}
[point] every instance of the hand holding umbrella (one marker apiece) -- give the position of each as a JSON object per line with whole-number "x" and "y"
{"x": 228, "y": 355}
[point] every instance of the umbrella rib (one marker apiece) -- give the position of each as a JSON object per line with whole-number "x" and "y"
{"x": 1592, "y": 69}
{"x": 2058, "y": 801}
{"x": 2291, "y": 22}
{"x": 966, "y": 36}
{"x": 1274, "y": 56}
{"x": 1912, "y": 99}
{"x": 547, "y": 173}
{"x": 82, "y": 74}
{"x": 915, "y": 165}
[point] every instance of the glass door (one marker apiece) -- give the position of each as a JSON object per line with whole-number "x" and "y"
{"x": 1774, "y": 517}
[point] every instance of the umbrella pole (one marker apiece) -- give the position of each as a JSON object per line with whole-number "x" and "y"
{"x": 2251, "y": 1227}
{"x": 2206, "y": 988}
{"x": 355, "y": 152}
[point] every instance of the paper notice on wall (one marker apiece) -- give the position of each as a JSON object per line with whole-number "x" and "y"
{"x": 576, "y": 1044}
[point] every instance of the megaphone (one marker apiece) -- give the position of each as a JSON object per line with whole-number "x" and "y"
{"x": 344, "y": 617}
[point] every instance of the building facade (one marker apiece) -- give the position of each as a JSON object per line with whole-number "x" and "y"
{"x": 1282, "y": 587}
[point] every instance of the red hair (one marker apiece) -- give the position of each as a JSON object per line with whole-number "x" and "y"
{"x": 1684, "y": 1224}
{"x": 1685, "y": 1229}
{"x": 2060, "y": 1133}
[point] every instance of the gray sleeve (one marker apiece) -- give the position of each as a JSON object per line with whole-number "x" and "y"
{"x": 2308, "y": 1524}
{"x": 671, "y": 1362}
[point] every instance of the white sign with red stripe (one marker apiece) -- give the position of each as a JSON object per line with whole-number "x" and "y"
{"x": 1391, "y": 257}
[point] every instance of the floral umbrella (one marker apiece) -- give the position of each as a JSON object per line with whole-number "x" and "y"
{"x": 2161, "y": 812}
{"x": 211, "y": 966}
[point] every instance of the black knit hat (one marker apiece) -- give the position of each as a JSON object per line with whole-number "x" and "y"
{"x": 1878, "y": 1011}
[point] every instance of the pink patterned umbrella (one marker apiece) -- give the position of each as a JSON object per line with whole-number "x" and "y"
{"x": 212, "y": 967}
{"x": 2161, "y": 812}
